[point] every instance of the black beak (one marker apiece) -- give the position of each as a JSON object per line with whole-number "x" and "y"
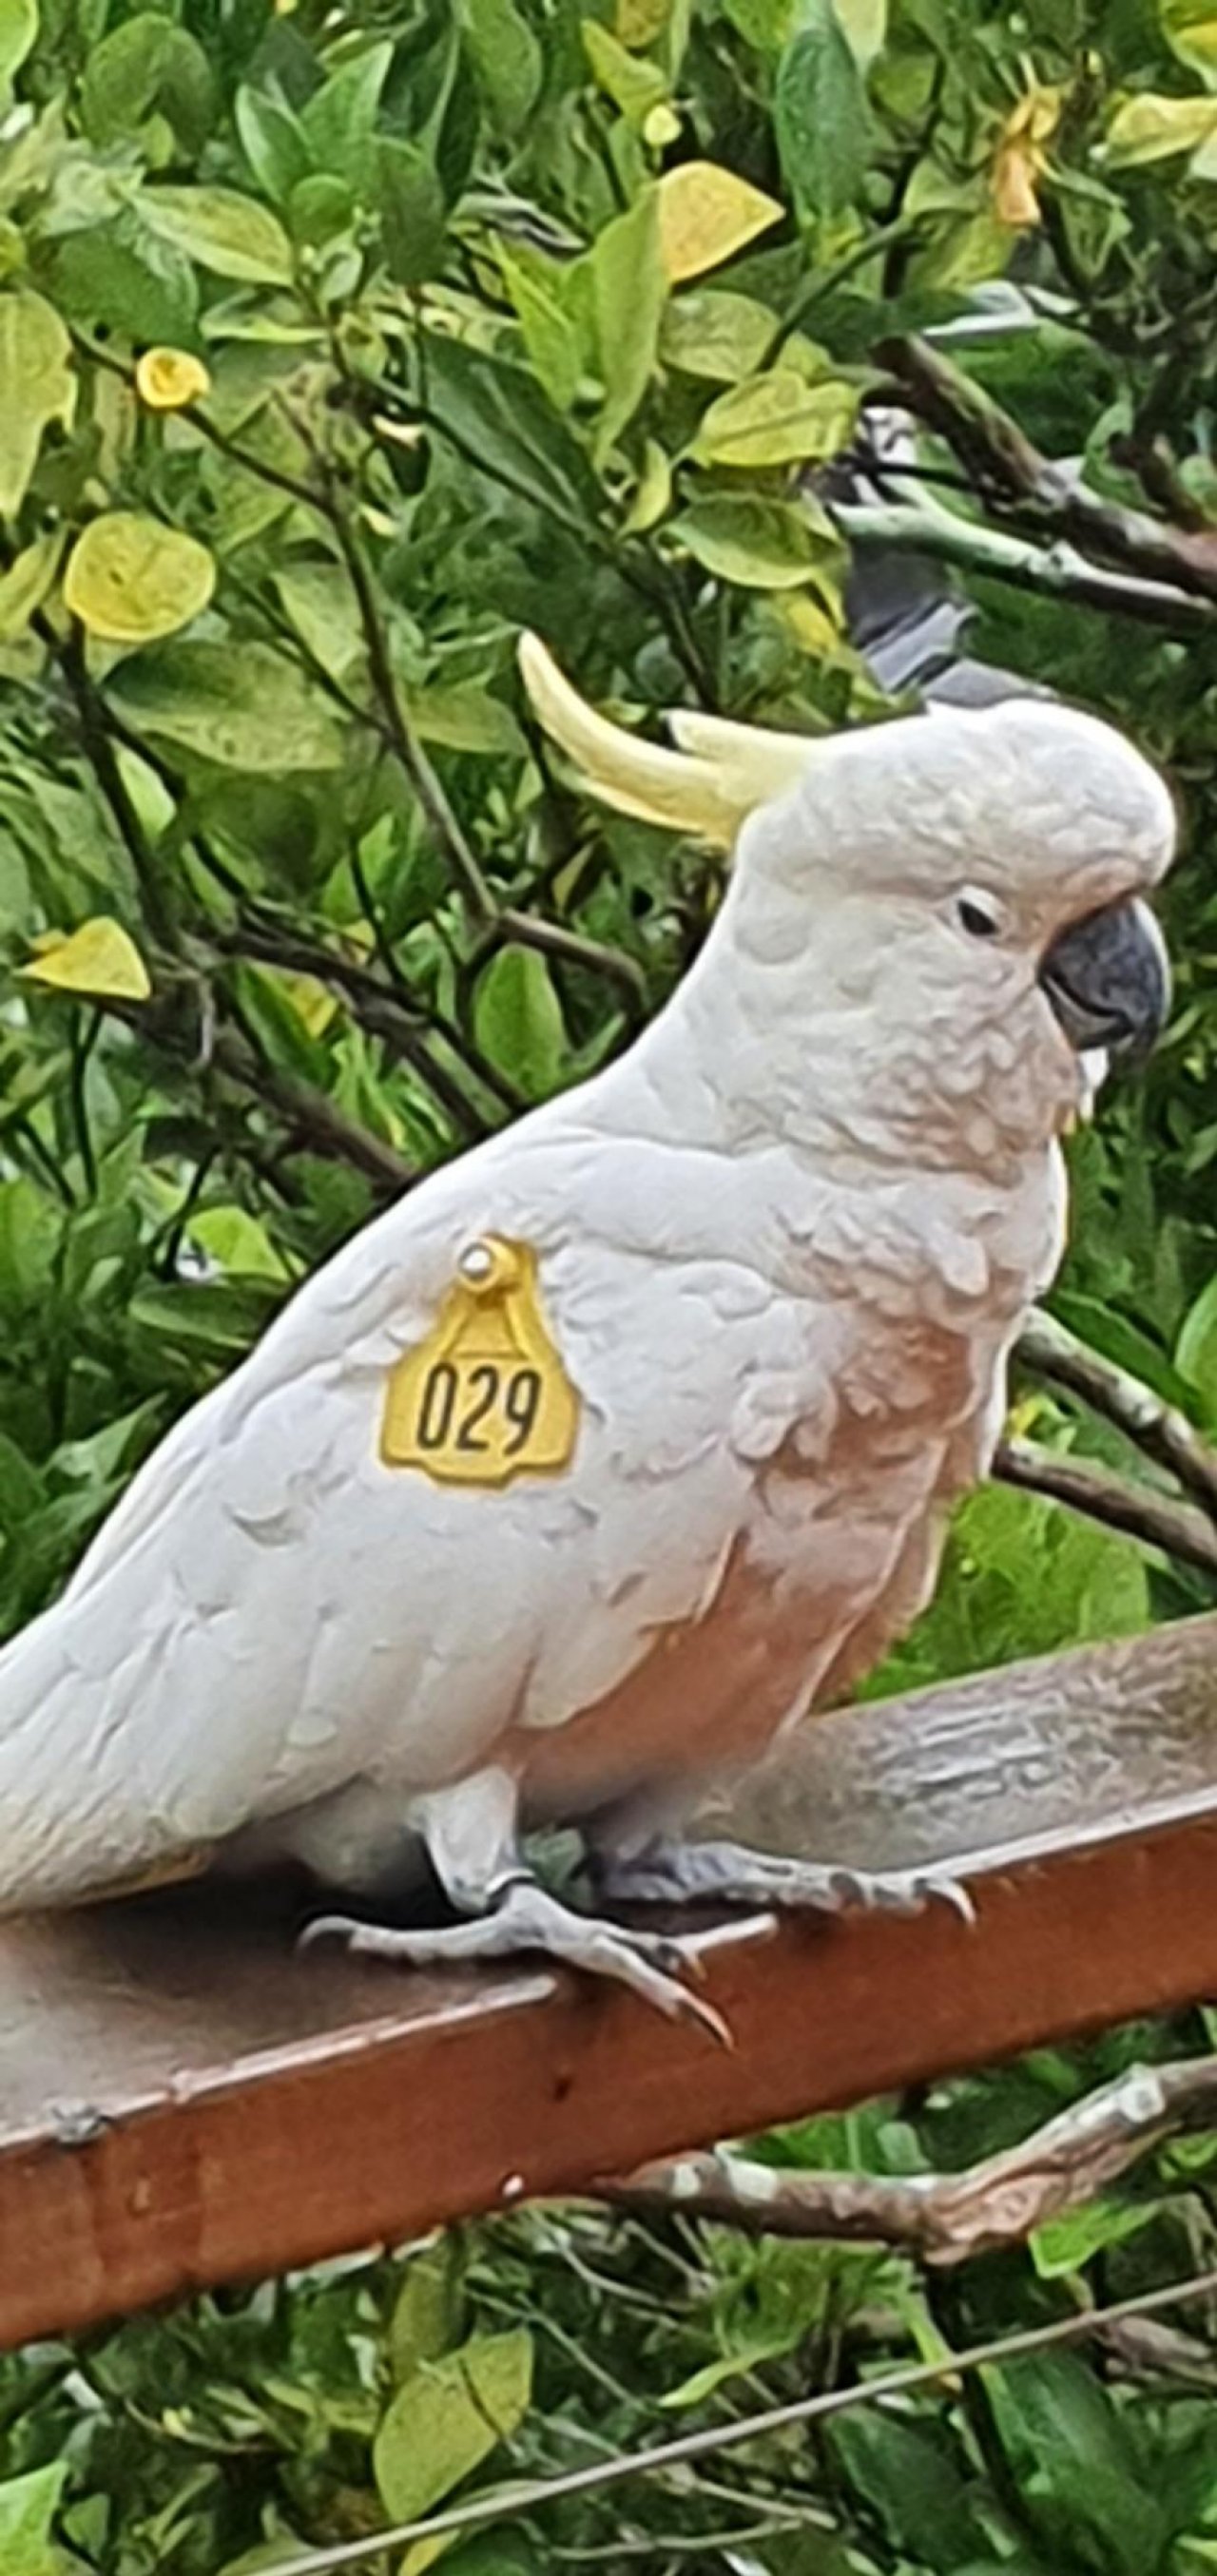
{"x": 1108, "y": 980}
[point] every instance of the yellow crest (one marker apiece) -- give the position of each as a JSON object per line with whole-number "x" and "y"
{"x": 707, "y": 787}
{"x": 484, "y": 1397}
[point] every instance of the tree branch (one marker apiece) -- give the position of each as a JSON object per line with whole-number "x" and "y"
{"x": 943, "y": 2218}
{"x": 1056, "y": 572}
{"x": 1008, "y": 469}
{"x": 1158, "y": 1429}
{"x": 404, "y": 1028}
{"x": 553, "y": 939}
{"x": 1179, "y": 1529}
{"x": 315, "y": 1121}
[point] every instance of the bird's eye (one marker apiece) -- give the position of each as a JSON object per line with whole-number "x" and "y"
{"x": 978, "y": 916}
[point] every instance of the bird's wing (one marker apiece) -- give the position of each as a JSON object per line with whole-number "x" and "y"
{"x": 335, "y": 1611}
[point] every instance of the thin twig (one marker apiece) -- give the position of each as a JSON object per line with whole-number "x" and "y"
{"x": 824, "y": 281}
{"x": 943, "y": 2218}
{"x": 553, "y": 939}
{"x": 313, "y": 1119}
{"x": 1155, "y": 1427}
{"x": 93, "y": 720}
{"x": 1179, "y": 1529}
{"x": 405, "y": 744}
{"x": 528, "y": 2494}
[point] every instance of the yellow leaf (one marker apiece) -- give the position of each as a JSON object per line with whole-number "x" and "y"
{"x": 312, "y": 1002}
{"x": 1016, "y": 170}
{"x": 806, "y": 616}
{"x": 101, "y": 957}
{"x": 168, "y": 379}
{"x": 1190, "y": 29}
{"x": 1020, "y": 159}
{"x": 706, "y": 215}
{"x": 131, "y": 579}
{"x": 1153, "y": 128}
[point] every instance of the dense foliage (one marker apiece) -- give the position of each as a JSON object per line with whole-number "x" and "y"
{"x": 336, "y": 344}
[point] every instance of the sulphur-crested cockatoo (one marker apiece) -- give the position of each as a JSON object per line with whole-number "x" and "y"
{"x": 629, "y": 1437}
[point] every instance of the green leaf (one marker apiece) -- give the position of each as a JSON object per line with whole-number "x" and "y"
{"x": 37, "y": 386}
{"x": 1065, "y": 2245}
{"x": 273, "y": 142}
{"x": 629, "y": 288}
{"x": 1074, "y": 2458}
{"x": 28, "y": 2507}
{"x": 713, "y": 333}
{"x": 340, "y": 119}
{"x": 1196, "y": 1348}
{"x": 26, "y": 583}
{"x": 130, "y": 579}
{"x": 863, "y": 23}
{"x": 506, "y": 58}
{"x": 216, "y": 1317}
{"x": 122, "y": 277}
{"x": 911, "y": 2477}
{"x": 22, "y": 1493}
{"x": 820, "y": 114}
{"x": 464, "y": 719}
{"x": 762, "y": 545}
{"x": 241, "y": 705}
{"x": 222, "y": 231}
{"x": 518, "y": 1020}
{"x": 550, "y": 337}
{"x": 18, "y": 36}
{"x": 148, "y": 66}
{"x": 413, "y": 216}
{"x": 447, "y": 2418}
{"x": 634, "y": 83}
{"x": 427, "y": 2318}
{"x": 1190, "y": 29}
{"x": 502, "y": 422}
{"x": 318, "y": 599}
{"x": 237, "y": 1242}
{"x": 776, "y": 419}
{"x": 1151, "y": 128}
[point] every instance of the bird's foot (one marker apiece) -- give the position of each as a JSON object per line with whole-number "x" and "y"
{"x": 526, "y": 1917}
{"x": 667, "y": 1872}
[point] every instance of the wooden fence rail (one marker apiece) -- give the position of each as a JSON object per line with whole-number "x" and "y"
{"x": 184, "y": 2101}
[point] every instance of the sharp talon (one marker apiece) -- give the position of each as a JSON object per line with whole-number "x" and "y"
{"x": 696, "y": 2009}
{"x": 328, "y": 1927}
{"x": 953, "y": 1893}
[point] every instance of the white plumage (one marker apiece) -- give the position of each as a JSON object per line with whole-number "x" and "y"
{"x": 783, "y": 1246}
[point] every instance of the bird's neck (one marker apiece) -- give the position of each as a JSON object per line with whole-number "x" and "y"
{"x": 782, "y": 1034}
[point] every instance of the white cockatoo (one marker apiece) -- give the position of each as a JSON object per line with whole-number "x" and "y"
{"x": 628, "y": 1438}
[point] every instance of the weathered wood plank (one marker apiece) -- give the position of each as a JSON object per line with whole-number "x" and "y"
{"x": 183, "y": 2101}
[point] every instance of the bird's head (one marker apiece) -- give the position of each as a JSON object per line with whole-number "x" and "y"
{"x": 975, "y": 876}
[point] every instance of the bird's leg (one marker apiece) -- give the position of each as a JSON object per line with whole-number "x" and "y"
{"x": 471, "y": 1835}
{"x": 636, "y": 1861}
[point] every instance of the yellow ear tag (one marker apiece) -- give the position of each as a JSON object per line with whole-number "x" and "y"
{"x": 485, "y": 1397}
